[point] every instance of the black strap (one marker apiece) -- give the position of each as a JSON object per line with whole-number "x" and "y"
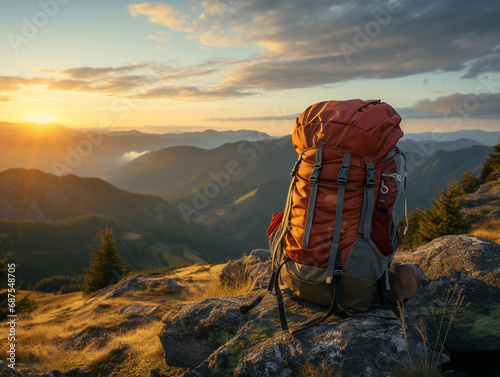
{"x": 279, "y": 297}
{"x": 313, "y": 179}
{"x": 273, "y": 284}
{"x": 246, "y": 308}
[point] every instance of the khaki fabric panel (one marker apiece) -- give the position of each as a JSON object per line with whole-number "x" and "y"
{"x": 358, "y": 294}
{"x": 319, "y": 293}
{"x": 306, "y": 273}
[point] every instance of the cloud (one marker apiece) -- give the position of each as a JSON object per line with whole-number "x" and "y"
{"x": 159, "y": 37}
{"x": 94, "y": 73}
{"x": 149, "y": 81}
{"x": 163, "y": 14}
{"x": 335, "y": 41}
{"x": 178, "y": 92}
{"x": 244, "y": 119}
{"x": 484, "y": 104}
{"x": 6, "y": 99}
{"x": 129, "y": 156}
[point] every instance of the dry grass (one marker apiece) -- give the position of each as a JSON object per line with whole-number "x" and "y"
{"x": 489, "y": 230}
{"x": 429, "y": 366}
{"x": 218, "y": 287}
{"x": 308, "y": 369}
{"x": 69, "y": 330}
{"x": 51, "y": 336}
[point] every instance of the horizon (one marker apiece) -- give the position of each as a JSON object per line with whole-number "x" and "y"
{"x": 164, "y": 130}
{"x": 247, "y": 64}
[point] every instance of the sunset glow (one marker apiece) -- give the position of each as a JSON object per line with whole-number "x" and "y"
{"x": 42, "y": 119}
{"x": 243, "y": 64}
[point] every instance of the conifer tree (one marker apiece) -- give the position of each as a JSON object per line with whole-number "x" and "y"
{"x": 469, "y": 182}
{"x": 445, "y": 216}
{"x": 106, "y": 265}
{"x": 492, "y": 164}
{"x": 23, "y": 305}
{"x": 412, "y": 237}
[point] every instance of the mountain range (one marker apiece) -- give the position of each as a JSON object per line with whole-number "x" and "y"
{"x": 489, "y": 138}
{"x": 49, "y": 221}
{"x": 94, "y": 152}
{"x": 179, "y": 204}
{"x": 242, "y": 201}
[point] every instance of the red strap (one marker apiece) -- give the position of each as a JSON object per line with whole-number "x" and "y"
{"x": 275, "y": 223}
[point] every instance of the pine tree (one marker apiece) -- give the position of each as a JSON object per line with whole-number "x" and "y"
{"x": 106, "y": 265}
{"x": 491, "y": 165}
{"x": 469, "y": 182}
{"x": 412, "y": 237}
{"x": 445, "y": 216}
{"x": 23, "y": 305}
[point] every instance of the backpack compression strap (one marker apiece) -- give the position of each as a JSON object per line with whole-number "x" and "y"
{"x": 313, "y": 179}
{"x": 334, "y": 269}
{"x": 365, "y": 223}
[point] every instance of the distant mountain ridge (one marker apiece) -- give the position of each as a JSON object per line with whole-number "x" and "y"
{"x": 188, "y": 176}
{"x": 55, "y": 219}
{"x": 60, "y": 150}
{"x": 489, "y": 138}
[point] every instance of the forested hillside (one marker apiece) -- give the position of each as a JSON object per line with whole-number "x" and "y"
{"x": 48, "y": 224}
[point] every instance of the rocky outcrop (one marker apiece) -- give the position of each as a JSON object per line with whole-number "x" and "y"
{"x": 484, "y": 202}
{"x": 134, "y": 283}
{"x": 213, "y": 338}
{"x": 461, "y": 263}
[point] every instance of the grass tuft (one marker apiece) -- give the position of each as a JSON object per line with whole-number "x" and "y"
{"x": 429, "y": 366}
{"x": 489, "y": 230}
{"x": 308, "y": 369}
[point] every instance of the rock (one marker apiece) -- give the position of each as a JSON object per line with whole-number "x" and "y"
{"x": 137, "y": 309}
{"x": 134, "y": 283}
{"x": 106, "y": 364}
{"x": 255, "y": 266}
{"x": 54, "y": 373}
{"x": 467, "y": 263}
{"x": 75, "y": 372}
{"x": 5, "y": 371}
{"x": 484, "y": 202}
{"x": 223, "y": 342}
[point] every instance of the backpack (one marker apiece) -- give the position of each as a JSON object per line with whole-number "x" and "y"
{"x": 334, "y": 241}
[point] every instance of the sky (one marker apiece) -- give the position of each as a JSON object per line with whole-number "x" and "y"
{"x": 247, "y": 64}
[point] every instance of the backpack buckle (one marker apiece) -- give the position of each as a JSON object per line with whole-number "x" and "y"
{"x": 315, "y": 174}
{"x": 293, "y": 173}
{"x": 343, "y": 174}
{"x": 370, "y": 177}
{"x": 337, "y": 274}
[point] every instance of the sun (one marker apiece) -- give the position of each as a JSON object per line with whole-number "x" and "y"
{"x": 42, "y": 118}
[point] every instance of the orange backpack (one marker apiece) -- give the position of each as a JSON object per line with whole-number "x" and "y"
{"x": 334, "y": 241}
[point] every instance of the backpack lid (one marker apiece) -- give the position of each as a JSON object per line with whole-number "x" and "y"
{"x": 365, "y": 129}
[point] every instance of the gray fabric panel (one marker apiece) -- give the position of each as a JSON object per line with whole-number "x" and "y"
{"x": 365, "y": 261}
